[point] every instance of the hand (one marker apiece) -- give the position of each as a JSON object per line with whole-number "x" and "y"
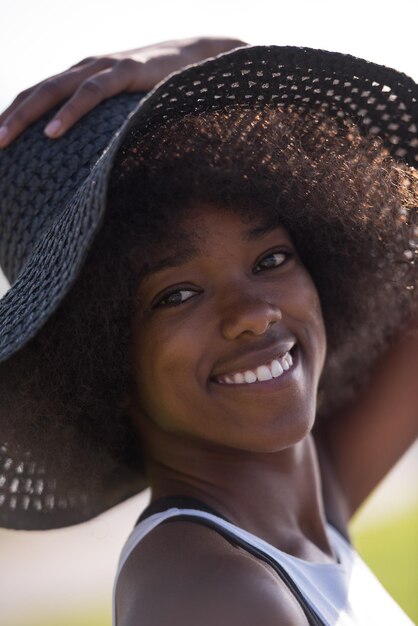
{"x": 94, "y": 79}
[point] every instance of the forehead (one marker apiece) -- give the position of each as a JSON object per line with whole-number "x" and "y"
{"x": 200, "y": 225}
{"x": 203, "y": 222}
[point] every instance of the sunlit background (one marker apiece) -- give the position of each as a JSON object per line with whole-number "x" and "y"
{"x": 65, "y": 577}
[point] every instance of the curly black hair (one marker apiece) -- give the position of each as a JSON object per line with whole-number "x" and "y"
{"x": 347, "y": 205}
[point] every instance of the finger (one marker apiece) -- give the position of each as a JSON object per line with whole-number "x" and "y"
{"x": 37, "y": 100}
{"x": 16, "y": 102}
{"x": 90, "y": 93}
{"x": 40, "y": 100}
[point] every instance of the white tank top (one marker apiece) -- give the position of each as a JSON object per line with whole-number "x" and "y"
{"x": 342, "y": 594}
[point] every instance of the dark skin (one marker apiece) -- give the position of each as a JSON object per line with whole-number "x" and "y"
{"x": 234, "y": 447}
{"x": 213, "y": 441}
{"x": 332, "y": 469}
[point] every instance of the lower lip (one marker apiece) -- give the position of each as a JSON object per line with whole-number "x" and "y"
{"x": 288, "y": 377}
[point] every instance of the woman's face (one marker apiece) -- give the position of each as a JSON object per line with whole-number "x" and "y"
{"x": 240, "y": 300}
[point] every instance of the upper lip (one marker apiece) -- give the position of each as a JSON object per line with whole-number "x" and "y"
{"x": 252, "y": 359}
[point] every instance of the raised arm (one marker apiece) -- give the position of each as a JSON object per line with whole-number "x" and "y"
{"x": 366, "y": 439}
{"x": 84, "y": 85}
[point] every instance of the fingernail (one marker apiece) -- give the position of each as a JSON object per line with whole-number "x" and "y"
{"x": 4, "y": 131}
{"x": 53, "y": 128}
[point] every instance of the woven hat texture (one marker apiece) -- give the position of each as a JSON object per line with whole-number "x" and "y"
{"x": 52, "y": 204}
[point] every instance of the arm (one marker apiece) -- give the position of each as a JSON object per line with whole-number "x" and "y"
{"x": 366, "y": 439}
{"x": 86, "y": 84}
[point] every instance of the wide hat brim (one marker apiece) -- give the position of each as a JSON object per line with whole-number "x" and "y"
{"x": 53, "y": 202}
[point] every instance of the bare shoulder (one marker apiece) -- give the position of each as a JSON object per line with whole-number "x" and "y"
{"x": 183, "y": 574}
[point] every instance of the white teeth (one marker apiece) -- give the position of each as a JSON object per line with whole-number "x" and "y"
{"x": 263, "y": 373}
{"x": 276, "y": 368}
{"x": 249, "y": 377}
{"x": 285, "y": 363}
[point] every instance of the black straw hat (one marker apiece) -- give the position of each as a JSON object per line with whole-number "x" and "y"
{"x": 52, "y": 204}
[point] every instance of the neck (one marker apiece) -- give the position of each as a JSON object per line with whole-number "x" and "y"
{"x": 276, "y": 496}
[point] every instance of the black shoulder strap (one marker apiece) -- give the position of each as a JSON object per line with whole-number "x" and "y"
{"x": 167, "y": 502}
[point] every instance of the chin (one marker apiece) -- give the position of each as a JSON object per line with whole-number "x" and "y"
{"x": 288, "y": 430}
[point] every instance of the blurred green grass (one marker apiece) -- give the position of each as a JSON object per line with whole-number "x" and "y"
{"x": 389, "y": 547}
{"x": 93, "y": 616}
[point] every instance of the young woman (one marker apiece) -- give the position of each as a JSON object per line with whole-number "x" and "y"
{"x": 218, "y": 301}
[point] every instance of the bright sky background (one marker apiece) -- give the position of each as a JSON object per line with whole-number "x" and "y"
{"x": 43, "y": 37}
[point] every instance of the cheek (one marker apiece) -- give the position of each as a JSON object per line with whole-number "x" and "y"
{"x": 305, "y": 306}
{"x": 320, "y": 342}
{"x": 166, "y": 368}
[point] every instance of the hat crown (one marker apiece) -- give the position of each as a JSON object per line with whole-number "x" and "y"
{"x": 39, "y": 176}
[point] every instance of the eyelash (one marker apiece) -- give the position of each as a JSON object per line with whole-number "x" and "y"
{"x": 160, "y": 302}
{"x": 270, "y": 254}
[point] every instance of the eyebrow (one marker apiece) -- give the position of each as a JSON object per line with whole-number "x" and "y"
{"x": 191, "y": 253}
{"x": 173, "y": 261}
{"x": 256, "y": 233}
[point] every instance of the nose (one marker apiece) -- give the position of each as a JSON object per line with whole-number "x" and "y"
{"x": 248, "y": 314}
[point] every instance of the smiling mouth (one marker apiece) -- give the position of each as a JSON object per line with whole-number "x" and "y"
{"x": 276, "y": 368}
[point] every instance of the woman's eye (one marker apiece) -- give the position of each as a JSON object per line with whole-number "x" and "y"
{"x": 174, "y": 298}
{"x": 274, "y": 259}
